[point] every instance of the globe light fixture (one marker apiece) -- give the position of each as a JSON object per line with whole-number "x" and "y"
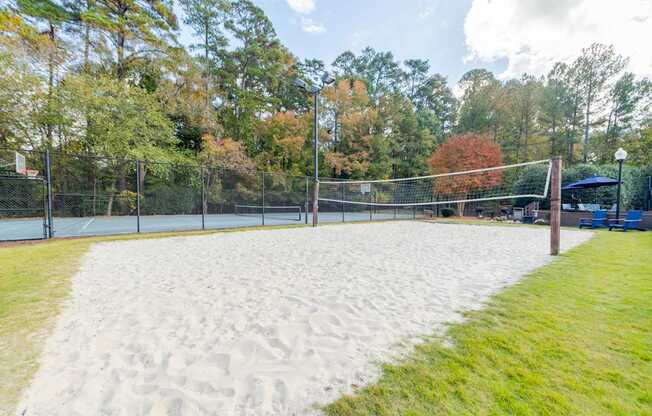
{"x": 620, "y": 156}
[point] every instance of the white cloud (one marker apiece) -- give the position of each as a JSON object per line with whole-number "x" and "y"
{"x": 533, "y": 34}
{"x": 302, "y": 6}
{"x": 310, "y": 26}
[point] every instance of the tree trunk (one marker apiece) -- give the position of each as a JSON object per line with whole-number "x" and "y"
{"x": 207, "y": 74}
{"x": 109, "y": 205}
{"x": 49, "y": 128}
{"x": 87, "y": 41}
{"x": 586, "y": 126}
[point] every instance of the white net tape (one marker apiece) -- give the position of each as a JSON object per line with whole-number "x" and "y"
{"x": 522, "y": 180}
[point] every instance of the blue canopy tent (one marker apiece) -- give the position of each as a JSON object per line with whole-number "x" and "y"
{"x": 590, "y": 183}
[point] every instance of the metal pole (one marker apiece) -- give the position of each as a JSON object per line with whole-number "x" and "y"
{"x": 620, "y": 173}
{"x": 44, "y": 192}
{"x": 48, "y": 177}
{"x": 263, "y": 195}
{"x": 307, "y": 198}
{"x": 371, "y": 200}
{"x": 203, "y": 197}
{"x": 555, "y": 205}
{"x": 343, "y": 196}
{"x": 138, "y": 196}
{"x": 315, "y": 133}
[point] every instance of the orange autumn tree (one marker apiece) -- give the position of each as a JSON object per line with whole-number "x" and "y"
{"x": 282, "y": 143}
{"x": 463, "y": 153}
{"x": 358, "y": 143}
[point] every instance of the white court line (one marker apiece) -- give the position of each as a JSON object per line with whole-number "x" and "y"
{"x": 81, "y": 230}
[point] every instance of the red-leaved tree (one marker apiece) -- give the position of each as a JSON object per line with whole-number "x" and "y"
{"x": 463, "y": 153}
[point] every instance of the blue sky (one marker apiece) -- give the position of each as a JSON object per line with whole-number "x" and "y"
{"x": 508, "y": 37}
{"x": 423, "y": 29}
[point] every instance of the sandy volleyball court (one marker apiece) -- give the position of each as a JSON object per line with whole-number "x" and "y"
{"x": 266, "y": 322}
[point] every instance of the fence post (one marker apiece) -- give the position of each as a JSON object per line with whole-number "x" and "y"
{"x": 343, "y": 197}
{"x": 307, "y": 198}
{"x": 44, "y": 192}
{"x": 555, "y": 205}
{"x": 371, "y": 201}
{"x": 203, "y": 197}
{"x": 48, "y": 178}
{"x": 137, "y": 196}
{"x": 263, "y": 205}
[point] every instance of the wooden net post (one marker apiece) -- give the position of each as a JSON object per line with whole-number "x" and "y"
{"x": 555, "y": 205}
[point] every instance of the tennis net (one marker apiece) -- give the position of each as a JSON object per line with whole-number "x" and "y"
{"x": 279, "y": 212}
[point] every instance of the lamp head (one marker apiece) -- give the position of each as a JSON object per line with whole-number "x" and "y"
{"x": 299, "y": 83}
{"x": 327, "y": 78}
{"x": 620, "y": 154}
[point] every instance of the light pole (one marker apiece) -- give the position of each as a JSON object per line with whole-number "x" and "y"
{"x": 326, "y": 79}
{"x": 620, "y": 156}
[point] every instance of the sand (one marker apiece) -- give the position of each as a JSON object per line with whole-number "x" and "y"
{"x": 269, "y": 322}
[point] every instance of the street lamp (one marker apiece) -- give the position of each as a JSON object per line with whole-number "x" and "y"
{"x": 326, "y": 79}
{"x": 620, "y": 156}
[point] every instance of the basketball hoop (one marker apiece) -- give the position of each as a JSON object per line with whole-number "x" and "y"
{"x": 21, "y": 167}
{"x": 31, "y": 173}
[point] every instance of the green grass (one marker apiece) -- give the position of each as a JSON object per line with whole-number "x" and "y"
{"x": 34, "y": 280}
{"x": 573, "y": 338}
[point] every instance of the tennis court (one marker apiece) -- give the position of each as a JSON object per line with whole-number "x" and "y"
{"x": 33, "y": 228}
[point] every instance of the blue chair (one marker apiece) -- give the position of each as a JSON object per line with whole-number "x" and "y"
{"x": 631, "y": 221}
{"x": 598, "y": 220}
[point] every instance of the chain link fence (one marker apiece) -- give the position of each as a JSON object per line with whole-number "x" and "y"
{"x": 83, "y": 194}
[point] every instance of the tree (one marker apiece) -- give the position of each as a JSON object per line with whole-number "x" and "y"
{"x": 128, "y": 123}
{"x": 283, "y": 143}
{"x": 206, "y": 17}
{"x": 52, "y": 16}
{"x": 478, "y": 87}
{"x": 19, "y": 97}
{"x": 137, "y": 29}
{"x": 435, "y": 95}
{"x": 415, "y": 77}
{"x": 360, "y": 151}
{"x": 573, "y": 103}
{"x": 528, "y": 90}
{"x": 228, "y": 166}
{"x": 552, "y": 99}
{"x": 596, "y": 65}
{"x": 378, "y": 70}
{"x": 345, "y": 65}
{"x": 625, "y": 98}
{"x": 639, "y": 145}
{"x": 462, "y": 153}
{"x": 252, "y": 72}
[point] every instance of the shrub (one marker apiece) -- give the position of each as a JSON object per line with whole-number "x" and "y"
{"x": 447, "y": 212}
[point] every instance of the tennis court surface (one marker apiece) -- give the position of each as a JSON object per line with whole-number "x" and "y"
{"x": 33, "y": 228}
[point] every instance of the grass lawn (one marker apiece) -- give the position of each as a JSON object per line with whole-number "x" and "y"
{"x": 572, "y": 338}
{"x": 34, "y": 280}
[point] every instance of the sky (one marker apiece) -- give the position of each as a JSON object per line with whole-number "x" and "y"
{"x": 508, "y": 37}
